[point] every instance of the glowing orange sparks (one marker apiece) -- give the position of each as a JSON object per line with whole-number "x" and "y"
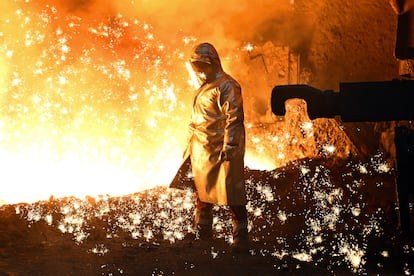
{"x": 90, "y": 107}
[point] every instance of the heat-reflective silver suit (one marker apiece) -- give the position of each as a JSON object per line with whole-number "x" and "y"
{"x": 216, "y": 143}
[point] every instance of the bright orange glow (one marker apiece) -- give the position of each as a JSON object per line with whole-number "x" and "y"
{"x": 193, "y": 77}
{"x": 88, "y": 108}
{"x": 93, "y": 103}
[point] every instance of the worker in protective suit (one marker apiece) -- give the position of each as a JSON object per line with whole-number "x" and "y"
{"x": 216, "y": 146}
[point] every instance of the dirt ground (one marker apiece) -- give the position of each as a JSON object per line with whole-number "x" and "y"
{"x": 308, "y": 217}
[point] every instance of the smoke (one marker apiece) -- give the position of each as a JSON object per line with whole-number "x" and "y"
{"x": 224, "y": 23}
{"x": 229, "y": 25}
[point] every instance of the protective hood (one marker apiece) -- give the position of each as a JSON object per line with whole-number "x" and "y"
{"x": 205, "y": 52}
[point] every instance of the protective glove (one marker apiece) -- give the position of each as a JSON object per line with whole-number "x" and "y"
{"x": 226, "y": 153}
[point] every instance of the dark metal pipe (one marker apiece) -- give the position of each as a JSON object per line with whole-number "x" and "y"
{"x": 321, "y": 104}
{"x": 355, "y": 102}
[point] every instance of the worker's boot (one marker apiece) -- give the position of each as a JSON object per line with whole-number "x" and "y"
{"x": 240, "y": 232}
{"x": 203, "y": 220}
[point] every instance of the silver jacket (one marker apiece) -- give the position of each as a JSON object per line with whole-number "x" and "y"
{"x": 216, "y": 144}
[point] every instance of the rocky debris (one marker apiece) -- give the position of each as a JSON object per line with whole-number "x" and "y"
{"x": 307, "y": 217}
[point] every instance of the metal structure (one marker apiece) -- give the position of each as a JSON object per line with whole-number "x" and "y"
{"x": 365, "y": 102}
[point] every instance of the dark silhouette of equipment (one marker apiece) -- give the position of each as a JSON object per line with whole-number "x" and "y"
{"x": 365, "y": 102}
